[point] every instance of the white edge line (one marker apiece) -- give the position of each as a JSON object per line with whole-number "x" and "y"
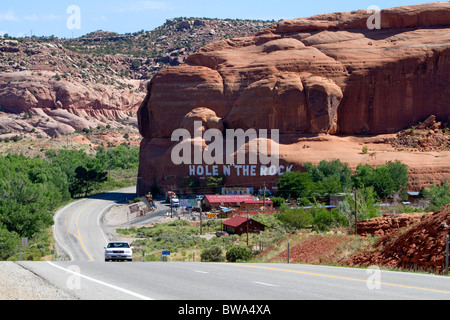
{"x": 137, "y": 295}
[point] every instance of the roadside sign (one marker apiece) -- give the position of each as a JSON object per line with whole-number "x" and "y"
{"x": 166, "y": 253}
{"x": 134, "y": 208}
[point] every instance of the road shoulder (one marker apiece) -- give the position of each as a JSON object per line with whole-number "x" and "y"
{"x": 18, "y": 283}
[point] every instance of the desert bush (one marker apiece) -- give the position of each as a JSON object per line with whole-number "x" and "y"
{"x": 212, "y": 254}
{"x": 278, "y": 202}
{"x": 437, "y": 195}
{"x": 239, "y": 253}
{"x": 295, "y": 219}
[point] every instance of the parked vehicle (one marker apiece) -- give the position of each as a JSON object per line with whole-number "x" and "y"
{"x": 221, "y": 234}
{"x": 175, "y": 202}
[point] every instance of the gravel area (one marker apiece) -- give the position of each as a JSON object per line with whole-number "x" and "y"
{"x": 117, "y": 217}
{"x": 17, "y": 283}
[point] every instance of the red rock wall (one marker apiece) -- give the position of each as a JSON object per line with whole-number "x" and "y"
{"x": 325, "y": 74}
{"x": 397, "y": 95}
{"x": 329, "y": 73}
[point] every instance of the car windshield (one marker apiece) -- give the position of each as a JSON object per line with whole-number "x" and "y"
{"x": 118, "y": 245}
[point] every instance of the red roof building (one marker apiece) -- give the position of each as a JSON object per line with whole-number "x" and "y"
{"x": 238, "y": 225}
{"x": 229, "y": 201}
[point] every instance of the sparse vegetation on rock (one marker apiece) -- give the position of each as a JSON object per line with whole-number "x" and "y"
{"x": 98, "y": 79}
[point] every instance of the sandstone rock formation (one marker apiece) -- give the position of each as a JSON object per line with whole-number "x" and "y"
{"x": 328, "y": 74}
{"x": 385, "y": 225}
{"x": 61, "y": 106}
{"x": 419, "y": 247}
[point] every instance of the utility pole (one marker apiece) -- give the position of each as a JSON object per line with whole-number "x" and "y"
{"x": 446, "y": 255}
{"x": 248, "y": 217}
{"x": 446, "y": 247}
{"x": 201, "y": 219}
{"x": 356, "y": 216}
{"x": 288, "y": 245}
{"x": 264, "y": 201}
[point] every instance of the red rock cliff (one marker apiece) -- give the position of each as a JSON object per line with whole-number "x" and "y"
{"x": 325, "y": 74}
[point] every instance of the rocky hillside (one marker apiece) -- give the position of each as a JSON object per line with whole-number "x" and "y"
{"x": 419, "y": 246}
{"x": 402, "y": 242}
{"x": 51, "y": 86}
{"x": 146, "y": 52}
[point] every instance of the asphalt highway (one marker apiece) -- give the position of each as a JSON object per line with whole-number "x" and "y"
{"x": 79, "y": 231}
{"x": 226, "y": 281}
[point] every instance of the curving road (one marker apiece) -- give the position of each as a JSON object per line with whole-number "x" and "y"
{"x": 79, "y": 231}
{"x": 78, "y": 228}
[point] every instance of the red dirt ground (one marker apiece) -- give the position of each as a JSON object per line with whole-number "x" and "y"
{"x": 316, "y": 249}
{"x": 408, "y": 242}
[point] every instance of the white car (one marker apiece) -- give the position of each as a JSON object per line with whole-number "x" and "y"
{"x": 118, "y": 251}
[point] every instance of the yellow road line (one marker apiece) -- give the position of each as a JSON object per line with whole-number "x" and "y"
{"x": 79, "y": 235}
{"x": 344, "y": 278}
{"x": 78, "y": 230}
{"x": 65, "y": 223}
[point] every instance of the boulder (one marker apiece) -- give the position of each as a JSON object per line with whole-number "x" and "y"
{"x": 184, "y": 25}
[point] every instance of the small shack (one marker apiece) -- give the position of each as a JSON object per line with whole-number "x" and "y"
{"x": 226, "y": 212}
{"x": 238, "y": 225}
{"x": 413, "y": 196}
{"x": 255, "y": 205}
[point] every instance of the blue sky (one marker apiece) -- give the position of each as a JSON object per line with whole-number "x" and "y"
{"x": 21, "y": 18}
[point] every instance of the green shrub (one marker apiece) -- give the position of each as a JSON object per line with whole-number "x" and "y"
{"x": 438, "y": 196}
{"x": 238, "y": 253}
{"x": 212, "y": 254}
{"x": 324, "y": 219}
{"x": 295, "y": 219}
{"x": 278, "y": 201}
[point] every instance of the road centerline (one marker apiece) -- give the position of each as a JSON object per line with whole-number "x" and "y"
{"x": 78, "y": 229}
{"x": 343, "y": 278}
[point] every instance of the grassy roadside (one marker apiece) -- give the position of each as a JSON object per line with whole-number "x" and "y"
{"x": 185, "y": 243}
